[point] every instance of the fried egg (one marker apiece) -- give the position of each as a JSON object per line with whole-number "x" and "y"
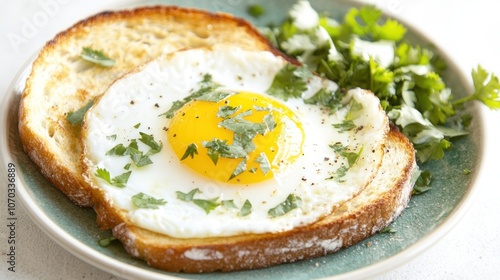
{"x": 207, "y": 143}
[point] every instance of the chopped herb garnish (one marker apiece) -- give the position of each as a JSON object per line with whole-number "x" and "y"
{"x": 218, "y": 148}
{"x": 106, "y": 241}
{"x": 239, "y": 125}
{"x": 120, "y": 181}
{"x": 227, "y": 111}
{"x": 242, "y": 167}
{"x": 188, "y": 197}
{"x": 207, "y": 205}
{"x": 329, "y": 99}
{"x": 118, "y": 150}
{"x": 290, "y": 81}
{"x": 191, "y": 150}
{"x": 229, "y": 204}
{"x": 136, "y": 155}
{"x": 215, "y": 96}
{"x": 292, "y": 202}
{"x": 265, "y": 166}
{"x": 137, "y": 125}
{"x": 127, "y": 166}
{"x": 423, "y": 183}
{"x": 76, "y": 118}
{"x": 97, "y": 57}
{"x": 246, "y": 209}
{"x": 270, "y": 122}
{"x": 103, "y": 174}
{"x": 205, "y": 86}
{"x": 341, "y": 172}
{"x": 151, "y": 143}
{"x": 346, "y": 125}
{"x": 467, "y": 171}
{"x": 343, "y": 151}
{"x": 111, "y": 137}
{"x": 255, "y": 10}
{"x": 142, "y": 200}
{"x": 388, "y": 229}
{"x": 354, "y": 110}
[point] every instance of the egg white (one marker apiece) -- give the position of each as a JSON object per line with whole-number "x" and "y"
{"x": 139, "y": 98}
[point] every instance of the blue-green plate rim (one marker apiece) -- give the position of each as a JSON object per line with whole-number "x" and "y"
{"x": 470, "y": 150}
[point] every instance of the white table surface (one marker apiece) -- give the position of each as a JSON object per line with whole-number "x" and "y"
{"x": 467, "y": 30}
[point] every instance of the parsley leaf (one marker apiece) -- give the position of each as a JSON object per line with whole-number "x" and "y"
{"x": 227, "y": 111}
{"x": 229, "y": 204}
{"x": 218, "y": 148}
{"x": 290, "y": 81}
{"x": 487, "y": 89}
{"x": 246, "y": 209}
{"x": 120, "y": 181}
{"x": 346, "y": 125}
{"x": 136, "y": 155}
{"x": 343, "y": 151}
{"x": 239, "y": 125}
{"x": 270, "y": 122}
{"x": 103, "y": 174}
{"x": 191, "y": 150}
{"x": 339, "y": 173}
{"x": 206, "y": 85}
{"x": 151, "y": 143}
{"x": 187, "y": 197}
{"x": 142, "y": 200}
{"x": 118, "y": 150}
{"x": 325, "y": 98}
{"x": 265, "y": 166}
{"x": 76, "y": 118}
{"x": 207, "y": 205}
{"x": 292, "y": 202}
{"x": 97, "y": 57}
{"x": 215, "y": 96}
{"x": 242, "y": 167}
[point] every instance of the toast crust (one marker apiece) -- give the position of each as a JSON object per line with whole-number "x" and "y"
{"x": 60, "y": 82}
{"x": 369, "y": 212}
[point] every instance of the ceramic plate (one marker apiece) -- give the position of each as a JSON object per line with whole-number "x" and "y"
{"x": 428, "y": 217}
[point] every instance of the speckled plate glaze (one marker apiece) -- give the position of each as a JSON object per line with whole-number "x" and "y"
{"x": 428, "y": 217}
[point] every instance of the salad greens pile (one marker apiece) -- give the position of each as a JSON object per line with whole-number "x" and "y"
{"x": 369, "y": 51}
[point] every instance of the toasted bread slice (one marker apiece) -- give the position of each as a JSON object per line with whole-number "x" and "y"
{"x": 61, "y": 82}
{"x": 372, "y": 210}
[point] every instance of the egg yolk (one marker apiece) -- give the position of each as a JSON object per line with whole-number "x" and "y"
{"x": 244, "y": 138}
